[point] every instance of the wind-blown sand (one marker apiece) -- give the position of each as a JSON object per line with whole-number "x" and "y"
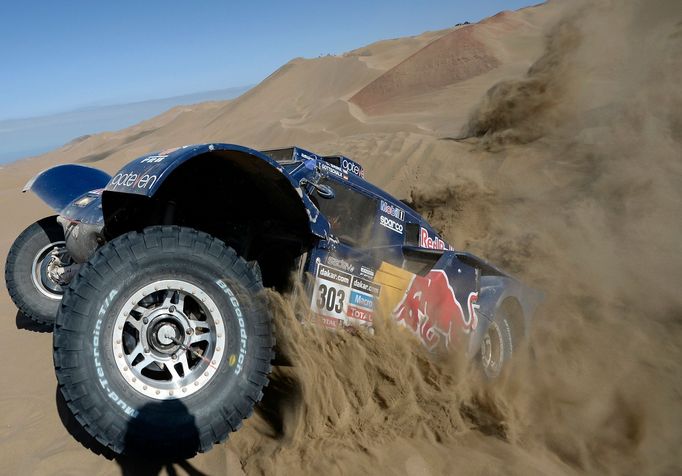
{"x": 552, "y": 145}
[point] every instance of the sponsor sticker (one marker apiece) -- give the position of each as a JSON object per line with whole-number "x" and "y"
{"x": 391, "y": 224}
{"x": 433, "y": 243}
{"x": 334, "y": 275}
{"x": 341, "y": 298}
{"x": 153, "y": 159}
{"x": 352, "y": 167}
{"x": 330, "y": 322}
{"x": 330, "y": 296}
{"x": 362, "y": 300}
{"x": 360, "y": 314}
{"x": 332, "y": 170}
{"x": 392, "y": 210}
{"x": 367, "y": 272}
{"x": 366, "y": 286}
{"x": 340, "y": 263}
{"x": 133, "y": 180}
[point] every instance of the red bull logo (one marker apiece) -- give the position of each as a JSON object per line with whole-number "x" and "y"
{"x": 435, "y": 243}
{"x": 431, "y": 310}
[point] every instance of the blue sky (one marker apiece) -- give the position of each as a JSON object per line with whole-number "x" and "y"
{"x": 62, "y": 55}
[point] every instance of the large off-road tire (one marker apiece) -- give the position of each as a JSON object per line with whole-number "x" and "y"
{"x": 498, "y": 343}
{"x": 33, "y": 292}
{"x": 162, "y": 345}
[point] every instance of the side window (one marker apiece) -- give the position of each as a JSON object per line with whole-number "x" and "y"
{"x": 350, "y": 213}
{"x": 412, "y": 234}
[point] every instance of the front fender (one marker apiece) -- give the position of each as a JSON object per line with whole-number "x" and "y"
{"x": 145, "y": 176}
{"x": 60, "y": 185}
{"x": 494, "y": 291}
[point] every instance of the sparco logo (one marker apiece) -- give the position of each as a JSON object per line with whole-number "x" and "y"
{"x": 392, "y": 210}
{"x": 391, "y": 224}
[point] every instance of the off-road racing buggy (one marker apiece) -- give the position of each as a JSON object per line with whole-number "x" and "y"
{"x": 152, "y": 278}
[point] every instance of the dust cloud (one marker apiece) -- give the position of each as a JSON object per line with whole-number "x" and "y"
{"x": 584, "y": 202}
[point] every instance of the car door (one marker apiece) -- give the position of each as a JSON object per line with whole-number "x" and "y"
{"x": 344, "y": 265}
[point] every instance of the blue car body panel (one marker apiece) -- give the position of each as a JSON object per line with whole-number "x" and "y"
{"x": 405, "y": 269}
{"x": 59, "y": 186}
{"x": 146, "y": 175}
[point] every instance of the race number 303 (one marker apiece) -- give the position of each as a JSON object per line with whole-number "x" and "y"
{"x": 332, "y": 288}
{"x": 330, "y": 298}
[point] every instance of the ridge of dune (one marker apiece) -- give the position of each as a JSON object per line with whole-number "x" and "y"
{"x": 454, "y": 57}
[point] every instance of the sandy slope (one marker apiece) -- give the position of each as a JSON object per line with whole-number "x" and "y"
{"x": 569, "y": 176}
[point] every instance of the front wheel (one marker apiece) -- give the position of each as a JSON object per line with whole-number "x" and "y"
{"x": 30, "y": 282}
{"x": 162, "y": 344}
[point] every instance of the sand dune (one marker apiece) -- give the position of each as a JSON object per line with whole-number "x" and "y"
{"x": 454, "y": 57}
{"x": 547, "y": 140}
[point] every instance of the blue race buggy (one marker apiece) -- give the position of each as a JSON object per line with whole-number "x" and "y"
{"x": 152, "y": 279}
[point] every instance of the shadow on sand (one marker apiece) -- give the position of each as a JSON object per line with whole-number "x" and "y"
{"x": 139, "y": 463}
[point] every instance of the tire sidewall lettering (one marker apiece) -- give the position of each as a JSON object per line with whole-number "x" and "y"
{"x": 243, "y": 335}
{"x": 99, "y": 336}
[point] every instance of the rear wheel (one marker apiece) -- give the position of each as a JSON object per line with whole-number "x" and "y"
{"x": 163, "y": 344}
{"x": 32, "y": 288}
{"x": 497, "y": 345}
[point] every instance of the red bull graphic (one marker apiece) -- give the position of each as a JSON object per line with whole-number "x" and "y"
{"x": 430, "y": 309}
{"x": 426, "y": 305}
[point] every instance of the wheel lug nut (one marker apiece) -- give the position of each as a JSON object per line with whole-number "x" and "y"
{"x": 145, "y": 320}
{"x": 171, "y": 309}
{"x": 146, "y": 350}
{"x": 189, "y": 331}
{"x": 174, "y": 357}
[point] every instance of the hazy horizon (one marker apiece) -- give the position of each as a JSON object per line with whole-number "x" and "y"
{"x": 29, "y": 136}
